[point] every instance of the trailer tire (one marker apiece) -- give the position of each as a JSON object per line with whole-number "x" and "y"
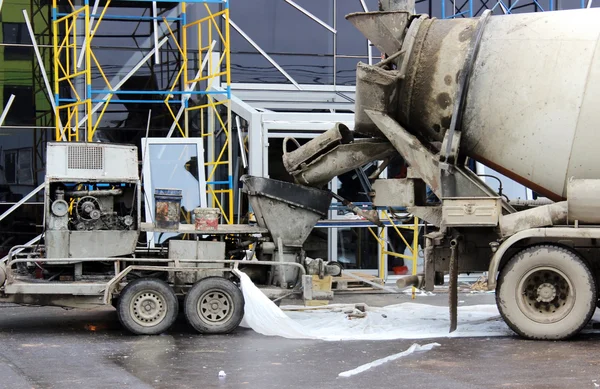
{"x": 214, "y": 305}
{"x": 546, "y": 292}
{"x": 147, "y": 306}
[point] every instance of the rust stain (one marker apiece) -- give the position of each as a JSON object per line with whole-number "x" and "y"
{"x": 533, "y": 186}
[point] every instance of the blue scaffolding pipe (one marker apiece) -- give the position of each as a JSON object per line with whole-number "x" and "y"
{"x": 61, "y": 14}
{"x": 185, "y": 1}
{"x": 133, "y": 17}
{"x": 120, "y": 17}
{"x": 157, "y": 92}
{"x": 121, "y": 101}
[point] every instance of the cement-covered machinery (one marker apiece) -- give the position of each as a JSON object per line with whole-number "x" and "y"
{"x": 91, "y": 256}
{"x": 520, "y": 94}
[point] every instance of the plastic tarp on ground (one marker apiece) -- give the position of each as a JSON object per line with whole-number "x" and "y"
{"x": 400, "y": 321}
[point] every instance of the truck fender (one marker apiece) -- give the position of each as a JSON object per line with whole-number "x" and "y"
{"x": 550, "y": 233}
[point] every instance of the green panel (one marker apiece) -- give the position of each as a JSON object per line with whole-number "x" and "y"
{"x": 19, "y": 72}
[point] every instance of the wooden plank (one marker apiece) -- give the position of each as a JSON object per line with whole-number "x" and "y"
{"x": 316, "y": 303}
{"x": 323, "y": 284}
{"x": 349, "y": 283}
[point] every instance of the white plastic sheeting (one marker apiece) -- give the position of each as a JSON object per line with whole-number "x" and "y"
{"x": 378, "y": 362}
{"x": 400, "y": 321}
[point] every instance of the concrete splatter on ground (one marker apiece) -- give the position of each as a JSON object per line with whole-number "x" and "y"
{"x": 412, "y": 349}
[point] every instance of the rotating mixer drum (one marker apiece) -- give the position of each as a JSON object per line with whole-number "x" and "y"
{"x": 530, "y": 95}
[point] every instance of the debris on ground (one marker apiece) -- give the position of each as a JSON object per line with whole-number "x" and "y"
{"x": 412, "y": 349}
{"x": 481, "y": 284}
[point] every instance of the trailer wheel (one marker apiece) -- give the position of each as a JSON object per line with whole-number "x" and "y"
{"x": 546, "y": 292}
{"x": 214, "y": 305}
{"x": 147, "y": 306}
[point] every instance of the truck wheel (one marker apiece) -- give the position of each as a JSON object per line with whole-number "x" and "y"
{"x": 214, "y": 305}
{"x": 147, "y": 306}
{"x": 546, "y": 292}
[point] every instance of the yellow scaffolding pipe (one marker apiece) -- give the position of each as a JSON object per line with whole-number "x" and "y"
{"x": 222, "y": 156}
{"x": 413, "y": 247}
{"x": 69, "y": 72}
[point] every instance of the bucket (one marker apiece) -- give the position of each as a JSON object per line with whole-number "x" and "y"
{"x": 400, "y": 270}
{"x": 207, "y": 218}
{"x": 168, "y": 205}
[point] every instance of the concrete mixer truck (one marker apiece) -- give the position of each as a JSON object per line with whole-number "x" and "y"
{"x": 518, "y": 93}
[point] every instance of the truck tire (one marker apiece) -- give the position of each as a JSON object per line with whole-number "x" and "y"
{"x": 214, "y": 305}
{"x": 147, "y": 306}
{"x": 546, "y": 292}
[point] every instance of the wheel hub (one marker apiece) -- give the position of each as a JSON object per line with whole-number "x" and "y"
{"x": 546, "y": 292}
{"x": 215, "y": 306}
{"x": 148, "y": 308}
{"x": 546, "y": 295}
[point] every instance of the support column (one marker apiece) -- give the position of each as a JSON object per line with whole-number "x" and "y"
{"x": 255, "y": 145}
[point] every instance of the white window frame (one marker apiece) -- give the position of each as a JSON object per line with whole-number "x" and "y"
{"x": 147, "y": 174}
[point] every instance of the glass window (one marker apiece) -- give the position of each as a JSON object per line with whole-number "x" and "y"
{"x": 307, "y": 69}
{"x": 278, "y": 27}
{"x": 299, "y": 44}
{"x": 254, "y": 68}
{"x": 22, "y": 110}
{"x": 25, "y": 167}
{"x": 10, "y": 166}
{"x": 16, "y": 33}
{"x": 18, "y": 166}
{"x": 349, "y": 40}
{"x": 346, "y": 68}
{"x": 357, "y": 248}
{"x": 423, "y": 6}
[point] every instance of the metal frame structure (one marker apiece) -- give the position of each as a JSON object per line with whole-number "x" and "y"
{"x": 256, "y": 105}
{"x": 80, "y": 106}
{"x": 413, "y": 247}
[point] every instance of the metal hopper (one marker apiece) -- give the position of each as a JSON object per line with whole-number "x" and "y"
{"x": 287, "y": 210}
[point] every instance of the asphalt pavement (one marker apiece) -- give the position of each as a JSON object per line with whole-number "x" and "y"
{"x": 46, "y": 347}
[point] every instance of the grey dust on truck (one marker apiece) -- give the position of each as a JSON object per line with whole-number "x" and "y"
{"x": 492, "y": 89}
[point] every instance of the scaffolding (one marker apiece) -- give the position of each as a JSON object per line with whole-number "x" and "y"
{"x": 80, "y": 106}
{"x": 399, "y": 228}
{"x": 215, "y": 125}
